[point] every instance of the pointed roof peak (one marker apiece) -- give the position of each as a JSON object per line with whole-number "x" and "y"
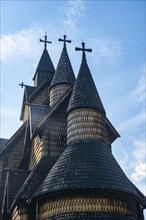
{"x": 83, "y": 49}
{"x": 45, "y": 64}
{"x": 45, "y": 41}
{"x": 65, "y": 41}
{"x": 85, "y": 94}
{"x": 64, "y": 72}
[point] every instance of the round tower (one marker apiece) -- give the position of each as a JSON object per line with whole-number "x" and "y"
{"x": 86, "y": 113}
{"x": 64, "y": 76}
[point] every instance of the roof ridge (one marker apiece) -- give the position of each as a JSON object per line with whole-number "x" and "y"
{"x": 48, "y": 114}
{"x": 13, "y": 136}
{"x": 42, "y": 162}
{"x": 38, "y": 89}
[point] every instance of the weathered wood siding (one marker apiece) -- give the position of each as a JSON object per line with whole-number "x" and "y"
{"x": 82, "y": 204}
{"x": 85, "y": 124}
{"x": 35, "y": 152}
{"x": 57, "y": 92}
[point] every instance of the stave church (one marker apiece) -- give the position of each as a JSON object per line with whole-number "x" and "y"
{"x": 59, "y": 164}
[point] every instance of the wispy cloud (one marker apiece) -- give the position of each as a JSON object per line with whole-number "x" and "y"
{"x": 107, "y": 49}
{"x": 139, "y": 150}
{"x": 21, "y": 43}
{"x": 139, "y": 92}
{"x": 140, "y": 172}
{"x": 139, "y": 159}
{"x": 72, "y": 11}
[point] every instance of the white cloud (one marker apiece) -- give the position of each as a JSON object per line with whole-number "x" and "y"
{"x": 21, "y": 43}
{"x": 72, "y": 11}
{"x": 139, "y": 150}
{"x": 139, "y": 159}
{"x": 107, "y": 49}
{"x": 139, "y": 93}
{"x": 140, "y": 172}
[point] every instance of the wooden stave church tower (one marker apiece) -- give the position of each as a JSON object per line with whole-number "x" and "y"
{"x": 59, "y": 164}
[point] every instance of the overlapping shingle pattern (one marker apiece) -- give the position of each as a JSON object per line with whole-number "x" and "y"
{"x": 64, "y": 72}
{"x": 2, "y": 141}
{"x": 45, "y": 63}
{"x": 35, "y": 178}
{"x": 84, "y": 94}
{"x": 36, "y": 113}
{"x": 86, "y": 165}
{"x": 16, "y": 179}
{"x": 29, "y": 90}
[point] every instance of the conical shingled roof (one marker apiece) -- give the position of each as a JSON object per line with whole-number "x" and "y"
{"x": 64, "y": 72}
{"x": 86, "y": 165}
{"x": 45, "y": 63}
{"x": 84, "y": 93}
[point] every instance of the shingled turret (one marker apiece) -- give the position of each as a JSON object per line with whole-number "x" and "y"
{"x": 64, "y": 76}
{"x": 45, "y": 68}
{"x": 84, "y": 93}
{"x": 85, "y": 107}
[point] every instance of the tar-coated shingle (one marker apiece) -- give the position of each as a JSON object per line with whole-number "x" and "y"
{"x": 64, "y": 73}
{"x": 2, "y": 141}
{"x": 86, "y": 165}
{"x": 15, "y": 180}
{"x": 37, "y": 112}
{"x": 35, "y": 178}
{"x": 84, "y": 93}
{"x": 45, "y": 63}
{"x": 29, "y": 90}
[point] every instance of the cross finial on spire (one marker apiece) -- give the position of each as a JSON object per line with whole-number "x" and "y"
{"x": 22, "y": 85}
{"x": 45, "y": 41}
{"x": 64, "y": 40}
{"x": 83, "y": 49}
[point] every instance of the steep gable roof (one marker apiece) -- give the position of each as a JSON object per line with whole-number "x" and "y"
{"x": 35, "y": 178}
{"x": 36, "y": 113}
{"x": 13, "y": 181}
{"x": 34, "y": 92}
{"x": 45, "y": 64}
{"x": 16, "y": 136}
{"x": 2, "y": 141}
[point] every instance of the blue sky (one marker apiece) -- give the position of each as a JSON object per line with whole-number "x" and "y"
{"x": 115, "y": 30}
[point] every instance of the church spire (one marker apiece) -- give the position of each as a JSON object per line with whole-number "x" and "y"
{"x": 45, "y": 41}
{"x": 45, "y": 66}
{"x": 83, "y": 49}
{"x": 64, "y": 76}
{"x": 84, "y": 93}
{"x": 65, "y": 41}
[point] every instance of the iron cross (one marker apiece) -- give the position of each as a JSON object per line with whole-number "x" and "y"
{"x": 45, "y": 41}
{"x": 83, "y": 49}
{"x": 64, "y": 40}
{"x": 22, "y": 85}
